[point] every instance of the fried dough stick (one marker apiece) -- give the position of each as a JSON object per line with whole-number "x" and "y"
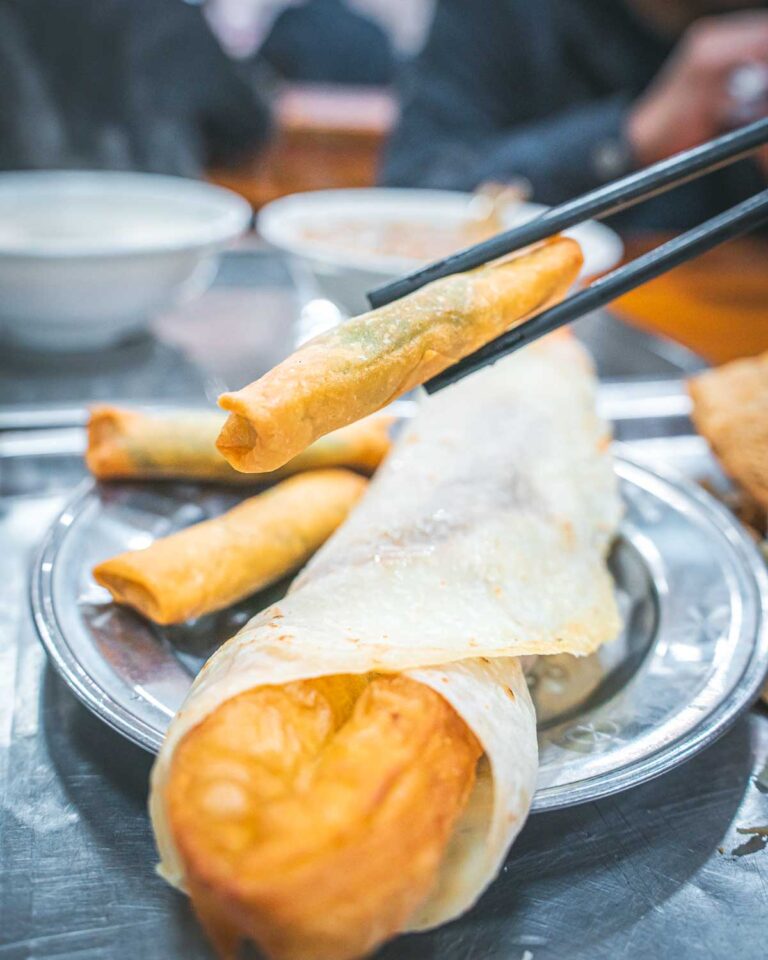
{"x": 132, "y": 445}
{"x": 213, "y": 564}
{"x": 367, "y": 361}
{"x": 311, "y": 818}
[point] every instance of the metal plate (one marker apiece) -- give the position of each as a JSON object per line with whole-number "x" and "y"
{"x": 691, "y": 586}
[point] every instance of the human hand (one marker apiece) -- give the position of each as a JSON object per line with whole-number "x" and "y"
{"x": 688, "y": 101}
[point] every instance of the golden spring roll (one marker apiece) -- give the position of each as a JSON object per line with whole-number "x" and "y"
{"x": 181, "y": 444}
{"x": 364, "y": 363}
{"x": 213, "y": 564}
{"x": 313, "y": 817}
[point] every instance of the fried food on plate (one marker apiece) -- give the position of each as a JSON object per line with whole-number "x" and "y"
{"x": 213, "y": 564}
{"x": 730, "y": 409}
{"x": 313, "y": 817}
{"x": 367, "y": 361}
{"x": 130, "y": 444}
{"x": 320, "y": 817}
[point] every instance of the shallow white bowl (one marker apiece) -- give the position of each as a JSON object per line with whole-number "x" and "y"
{"x": 345, "y": 276}
{"x": 87, "y": 258}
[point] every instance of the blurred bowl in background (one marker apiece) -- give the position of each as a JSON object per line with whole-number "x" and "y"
{"x": 354, "y": 240}
{"x": 87, "y": 258}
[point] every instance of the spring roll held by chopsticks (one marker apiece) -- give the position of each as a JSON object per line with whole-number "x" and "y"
{"x": 212, "y": 564}
{"x": 319, "y": 791}
{"x": 181, "y": 444}
{"x": 367, "y": 361}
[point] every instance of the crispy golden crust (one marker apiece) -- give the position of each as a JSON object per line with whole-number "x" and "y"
{"x": 312, "y": 818}
{"x": 129, "y": 444}
{"x": 370, "y": 360}
{"x": 107, "y": 453}
{"x": 730, "y": 409}
{"x": 213, "y": 564}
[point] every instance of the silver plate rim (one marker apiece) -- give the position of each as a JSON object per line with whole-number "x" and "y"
{"x": 59, "y": 651}
{"x": 736, "y": 702}
{"x": 712, "y": 725}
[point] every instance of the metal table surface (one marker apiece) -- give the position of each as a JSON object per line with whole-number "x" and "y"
{"x": 660, "y": 871}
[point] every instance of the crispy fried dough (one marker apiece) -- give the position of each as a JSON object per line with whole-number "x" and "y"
{"x": 730, "y": 409}
{"x": 212, "y": 564}
{"x": 312, "y": 818}
{"x": 364, "y": 363}
{"x": 128, "y": 444}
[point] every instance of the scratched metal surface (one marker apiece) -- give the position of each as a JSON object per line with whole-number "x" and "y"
{"x": 660, "y": 871}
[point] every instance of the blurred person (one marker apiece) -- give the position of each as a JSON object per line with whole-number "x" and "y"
{"x": 406, "y": 21}
{"x": 243, "y": 25}
{"x": 327, "y": 41}
{"x": 307, "y": 41}
{"x": 569, "y": 94}
{"x": 124, "y": 84}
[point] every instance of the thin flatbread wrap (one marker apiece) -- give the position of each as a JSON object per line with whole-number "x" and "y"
{"x": 482, "y": 538}
{"x": 367, "y": 361}
{"x": 126, "y": 444}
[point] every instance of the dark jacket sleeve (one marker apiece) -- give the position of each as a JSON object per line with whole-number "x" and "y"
{"x": 147, "y": 88}
{"x": 184, "y": 91}
{"x": 477, "y": 106}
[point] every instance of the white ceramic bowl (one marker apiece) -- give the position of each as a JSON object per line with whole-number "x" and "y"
{"x": 87, "y": 258}
{"x": 346, "y": 275}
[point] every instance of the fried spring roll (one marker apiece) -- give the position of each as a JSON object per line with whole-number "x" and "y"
{"x": 128, "y": 444}
{"x": 213, "y": 564}
{"x": 312, "y": 817}
{"x": 366, "y": 362}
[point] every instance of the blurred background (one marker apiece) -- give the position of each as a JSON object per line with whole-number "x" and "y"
{"x": 502, "y": 103}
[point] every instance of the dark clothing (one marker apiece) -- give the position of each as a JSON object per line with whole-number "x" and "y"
{"x": 325, "y": 41}
{"x": 126, "y": 84}
{"x": 507, "y": 88}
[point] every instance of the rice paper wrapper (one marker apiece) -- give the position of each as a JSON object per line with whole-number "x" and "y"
{"x": 481, "y": 540}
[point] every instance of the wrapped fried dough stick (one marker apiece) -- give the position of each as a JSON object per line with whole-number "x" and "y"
{"x": 367, "y": 361}
{"x": 315, "y": 815}
{"x": 181, "y": 444}
{"x": 321, "y": 816}
{"x": 212, "y": 564}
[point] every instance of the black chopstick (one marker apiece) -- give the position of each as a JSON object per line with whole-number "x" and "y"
{"x": 743, "y": 217}
{"x": 599, "y": 203}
